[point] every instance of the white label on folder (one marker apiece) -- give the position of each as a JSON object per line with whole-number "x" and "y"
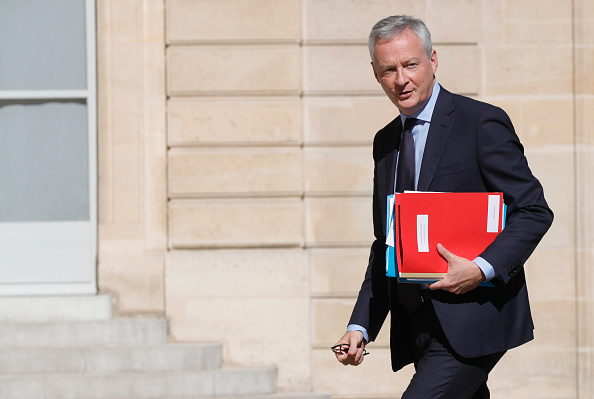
{"x": 493, "y": 214}
{"x": 390, "y": 236}
{"x": 423, "y": 233}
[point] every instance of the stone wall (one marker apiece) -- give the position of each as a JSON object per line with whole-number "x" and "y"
{"x": 236, "y": 170}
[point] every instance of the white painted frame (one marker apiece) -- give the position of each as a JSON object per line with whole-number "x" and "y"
{"x": 80, "y": 238}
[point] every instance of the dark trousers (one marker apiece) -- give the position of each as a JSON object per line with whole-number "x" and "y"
{"x": 440, "y": 373}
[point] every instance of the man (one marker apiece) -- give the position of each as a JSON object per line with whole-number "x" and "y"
{"x": 454, "y": 331}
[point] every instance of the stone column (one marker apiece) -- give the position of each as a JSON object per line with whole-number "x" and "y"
{"x": 584, "y": 122}
{"x": 132, "y": 152}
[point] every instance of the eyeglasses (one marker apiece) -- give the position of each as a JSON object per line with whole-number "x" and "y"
{"x": 343, "y": 348}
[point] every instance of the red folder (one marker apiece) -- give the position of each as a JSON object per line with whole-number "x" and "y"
{"x": 465, "y": 223}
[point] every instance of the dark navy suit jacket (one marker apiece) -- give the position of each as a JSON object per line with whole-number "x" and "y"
{"x": 471, "y": 147}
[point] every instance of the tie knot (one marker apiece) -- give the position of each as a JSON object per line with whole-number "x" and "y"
{"x": 409, "y": 123}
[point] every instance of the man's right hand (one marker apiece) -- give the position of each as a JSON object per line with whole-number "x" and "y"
{"x": 356, "y": 343}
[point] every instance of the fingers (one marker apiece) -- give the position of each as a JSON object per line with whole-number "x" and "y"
{"x": 354, "y": 345}
{"x": 447, "y": 255}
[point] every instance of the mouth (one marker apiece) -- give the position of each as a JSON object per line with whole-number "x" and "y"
{"x": 403, "y": 95}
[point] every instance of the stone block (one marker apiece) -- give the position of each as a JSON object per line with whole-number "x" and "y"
{"x": 553, "y": 166}
{"x": 529, "y": 22}
{"x": 233, "y": 70}
{"x": 533, "y": 372}
{"x": 337, "y": 271}
{"x": 535, "y": 11}
{"x": 133, "y": 274}
{"x": 330, "y": 317}
{"x": 339, "y": 221}
{"x": 543, "y": 264}
{"x": 520, "y": 70}
{"x": 202, "y": 21}
{"x": 217, "y": 121}
{"x": 338, "y": 170}
{"x": 348, "y": 120}
{"x": 247, "y": 273}
{"x": 545, "y": 122}
{"x": 235, "y": 171}
{"x": 459, "y": 68}
{"x": 555, "y": 323}
{"x": 255, "y": 301}
{"x": 544, "y": 32}
{"x": 584, "y": 59}
{"x": 350, "y": 21}
{"x": 374, "y": 378}
{"x": 321, "y": 64}
{"x": 235, "y": 223}
{"x": 457, "y": 21}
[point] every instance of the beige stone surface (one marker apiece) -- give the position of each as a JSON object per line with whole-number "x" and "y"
{"x": 525, "y": 70}
{"x": 346, "y": 120}
{"x": 459, "y": 69}
{"x": 235, "y": 223}
{"x": 533, "y": 372}
{"x": 350, "y": 20}
{"x": 548, "y": 315}
{"x": 190, "y": 21}
{"x": 256, "y": 302}
{"x": 207, "y": 172}
{"x": 545, "y": 122}
{"x": 132, "y": 275}
{"x": 547, "y": 262}
{"x": 131, "y": 153}
{"x": 228, "y": 121}
{"x": 338, "y": 170}
{"x": 321, "y": 66}
{"x": 338, "y": 221}
{"x": 372, "y": 379}
{"x": 464, "y": 23}
{"x": 553, "y": 166}
{"x": 330, "y": 317}
{"x": 338, "y": 271}
{"x": 233, "y": 70}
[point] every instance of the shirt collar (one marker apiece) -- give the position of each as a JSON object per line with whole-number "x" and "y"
{"x": 426, "y": 112}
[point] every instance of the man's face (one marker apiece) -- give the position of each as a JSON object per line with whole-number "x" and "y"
{"x": 403, "y": 70}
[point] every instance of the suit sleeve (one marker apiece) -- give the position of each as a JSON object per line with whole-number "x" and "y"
{"x": 504, "y": 168}
{"x": 372, "y": 304}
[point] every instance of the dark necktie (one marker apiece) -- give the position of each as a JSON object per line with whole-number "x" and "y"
{"x": 405, "y": 175}
{"x": 408, "y": 293}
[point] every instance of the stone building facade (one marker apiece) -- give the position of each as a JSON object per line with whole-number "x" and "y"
{"x": 235, "y": 173}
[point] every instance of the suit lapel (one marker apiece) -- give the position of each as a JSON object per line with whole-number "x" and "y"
{"x": 391, "y": 156}
{"x": 439, "y": 130}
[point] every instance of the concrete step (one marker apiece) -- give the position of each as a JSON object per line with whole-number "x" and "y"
{"x": 58, "y": 334}
{"x": 51, "y": 308}
{"x": 112, "y": 359}
{"x": 153, "y": 385}
{"x": 313, "y": 395}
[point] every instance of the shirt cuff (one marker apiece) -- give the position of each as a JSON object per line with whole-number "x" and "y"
{"x": 486, "y": 267}
{"x": 356, "y": 327}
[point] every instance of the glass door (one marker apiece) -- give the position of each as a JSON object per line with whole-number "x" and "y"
{"x": 48, "y": 170}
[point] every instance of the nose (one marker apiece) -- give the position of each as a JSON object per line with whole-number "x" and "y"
{"x": 401, "y": 77}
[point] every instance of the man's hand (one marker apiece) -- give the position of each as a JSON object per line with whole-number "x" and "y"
{"x": 354, "y": 356}
{"x": 463, "y": 275}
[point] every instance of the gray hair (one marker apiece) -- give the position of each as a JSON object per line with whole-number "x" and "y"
{"x": 391, "y": 27}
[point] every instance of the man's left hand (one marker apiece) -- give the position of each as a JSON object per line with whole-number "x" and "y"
{"x": 463, "y": 275}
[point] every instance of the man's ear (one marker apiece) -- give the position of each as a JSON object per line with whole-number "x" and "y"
{"x": 374, "y": 72}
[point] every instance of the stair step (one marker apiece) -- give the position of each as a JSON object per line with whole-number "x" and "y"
{"x": 84, "y": 333}
{"x": 52, "y": 308}
{"x": 313, "y": 395}
{"x": 166, "y": 357}
{"x": 153, "y": 385}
